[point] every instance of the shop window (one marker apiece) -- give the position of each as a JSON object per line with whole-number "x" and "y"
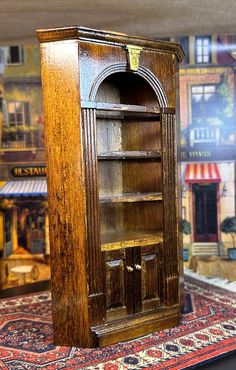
{"x": 203, "y": 49}
{"x": 15, "y": 55}
{"x": 18, "y": 113}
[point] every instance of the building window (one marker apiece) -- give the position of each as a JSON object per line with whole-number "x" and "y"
{"x": 203, "y": 103}
{"x": 184, "y": 42}
{"x": 18, "y": 113}
{"x": 15, "y": 55}
{"x": 203, "y": 49}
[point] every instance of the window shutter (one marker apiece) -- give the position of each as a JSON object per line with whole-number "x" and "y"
{"x": 1, "y": 56}
{"x": 4, "y": 113}
{"x": 22, "y": 54}
{"x": 27, "y": 113}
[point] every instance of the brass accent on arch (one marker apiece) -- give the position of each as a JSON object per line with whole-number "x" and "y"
{"x": 133, "y": 56}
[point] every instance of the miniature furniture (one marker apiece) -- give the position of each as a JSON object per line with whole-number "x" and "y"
{"x": 111, "y": 149}
{"x": 22, "y": 270}
{"x": 11, "y": 278}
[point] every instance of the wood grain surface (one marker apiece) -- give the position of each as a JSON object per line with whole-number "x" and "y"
{"x": 112, "y": 185}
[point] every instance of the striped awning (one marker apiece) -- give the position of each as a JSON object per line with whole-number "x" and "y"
{"x": 202, "y": 172}
{"x": 24, "y": 188}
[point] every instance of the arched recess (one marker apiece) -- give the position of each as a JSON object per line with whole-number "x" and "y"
{"x": 146, "y": 74}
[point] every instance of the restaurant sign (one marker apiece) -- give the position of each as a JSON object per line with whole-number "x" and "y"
{"x": 29, "y": 171}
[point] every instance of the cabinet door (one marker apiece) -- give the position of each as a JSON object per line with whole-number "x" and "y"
{"x": 118, "y": 284}
{"x": 148, "y": 277}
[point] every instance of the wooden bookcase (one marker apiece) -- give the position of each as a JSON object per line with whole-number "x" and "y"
{"x": 111, "y": 150}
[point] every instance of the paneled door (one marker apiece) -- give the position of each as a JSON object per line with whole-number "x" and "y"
{"x": 205, "y": 217}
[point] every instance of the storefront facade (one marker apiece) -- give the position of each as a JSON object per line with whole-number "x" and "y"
{"x": 24, "y": 240}
{"x": 207, "y": 150}
{"x": 25, "y": 217}
{"x": 208, "y": 199}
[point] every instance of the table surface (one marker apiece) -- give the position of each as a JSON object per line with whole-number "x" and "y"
{"x": 22, "y": 269}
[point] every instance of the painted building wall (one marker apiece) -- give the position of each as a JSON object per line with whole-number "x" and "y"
{"x": 209, "y": 137}
{"x": 24, "y": 236}
{"x": 20, "y": 82}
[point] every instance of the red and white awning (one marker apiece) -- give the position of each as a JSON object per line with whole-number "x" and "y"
{"x": 202, "y": 172}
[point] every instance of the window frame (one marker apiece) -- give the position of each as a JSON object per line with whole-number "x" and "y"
{"x": 25, "y": 119}
{"x": 21, "y": 56}
{"x": 204, "y": 87}
{"x": 201, "y": 47}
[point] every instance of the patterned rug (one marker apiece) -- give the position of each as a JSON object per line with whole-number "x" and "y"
{"x": 207, "y": 331}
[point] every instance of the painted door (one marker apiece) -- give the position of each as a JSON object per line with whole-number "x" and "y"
{"x": 205, "y": 209}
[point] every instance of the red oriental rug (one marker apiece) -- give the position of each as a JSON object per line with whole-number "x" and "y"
{"x": 207, "y": 331}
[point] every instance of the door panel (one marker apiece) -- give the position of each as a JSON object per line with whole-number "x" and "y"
{"x": 134, "y": 280}
{"x": 205, "y": 212}
{"x": 150, "y": 277}
{"x": 116, "y": 285}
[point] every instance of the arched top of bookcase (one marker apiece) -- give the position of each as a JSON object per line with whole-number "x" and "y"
{"x": 139, "y": 88}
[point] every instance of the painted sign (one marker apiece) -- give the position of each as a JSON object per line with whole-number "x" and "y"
{"x": 28, "y": 171}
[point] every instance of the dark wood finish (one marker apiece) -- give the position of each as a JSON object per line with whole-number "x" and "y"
{"x": 170, "y": 191}
{"x": 136, "y": 325}
{"x": 112, "y": 183}
{"x": 75, "y": 32}
{"x": 116, "y": 300}
{"x": 133, "y": 280}
{"x": 66, "y": 193}
{"x": 94, "y": 258}
{"x": 152, "y": 276}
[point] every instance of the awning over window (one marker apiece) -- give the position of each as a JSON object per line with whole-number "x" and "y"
{"x": 24, "y": 188}
{"x": 202, "y": 172}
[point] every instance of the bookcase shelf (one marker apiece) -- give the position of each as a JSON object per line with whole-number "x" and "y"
{"x": 128, "y": 108}
{"x": 130, "y": 197}
{"x": 132, "y": 154}
{"x": 130, "y": 239}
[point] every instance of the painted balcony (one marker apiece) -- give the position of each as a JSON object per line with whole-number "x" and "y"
{"x": 21, "y": 138}
{"x": 204, "y": 135}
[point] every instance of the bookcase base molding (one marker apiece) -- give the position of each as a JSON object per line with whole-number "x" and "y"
{"x": 135, "y": 327}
